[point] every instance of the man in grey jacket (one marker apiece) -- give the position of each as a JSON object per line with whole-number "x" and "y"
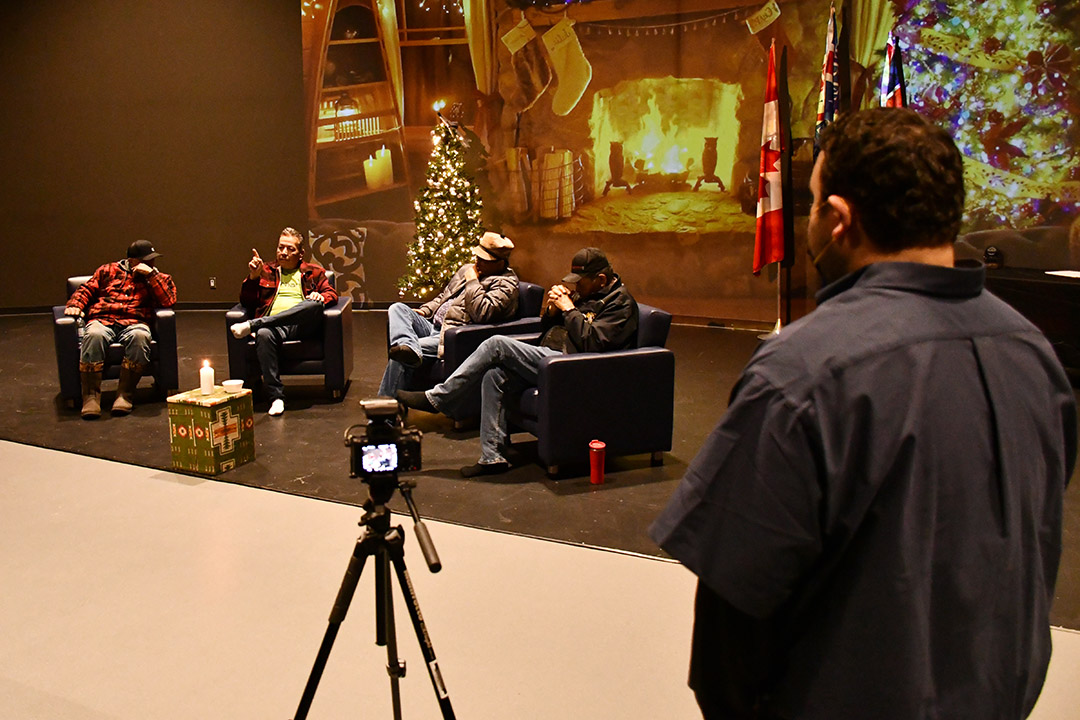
{"x": 484, "y": 291}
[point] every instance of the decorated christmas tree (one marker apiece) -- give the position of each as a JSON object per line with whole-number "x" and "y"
{"x": 448, "y": 216}
{"x": 1001, "y": 74}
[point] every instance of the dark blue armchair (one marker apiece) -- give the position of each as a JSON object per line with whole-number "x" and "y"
{"x": 631, "y": 396}
{"x": 461, "y": 341}
{"x": 330, "y": 355}
{"x": 67, "y": 337}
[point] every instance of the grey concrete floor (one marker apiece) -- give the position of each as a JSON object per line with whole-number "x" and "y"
{"x": 130, "y": 593}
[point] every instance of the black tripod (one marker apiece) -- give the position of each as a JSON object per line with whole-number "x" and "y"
{"x": 386, "y": 545}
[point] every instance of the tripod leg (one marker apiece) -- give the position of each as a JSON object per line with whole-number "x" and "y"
{"x": 337, "y": 615}
{"x": 422, "y": 636}
{"x": 385, "y": 630}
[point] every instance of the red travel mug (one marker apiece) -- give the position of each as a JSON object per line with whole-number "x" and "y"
{"x": 596, "y": 462}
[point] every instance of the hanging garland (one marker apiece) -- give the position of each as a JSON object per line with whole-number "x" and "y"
{"x": 624, "y": 29}
{"x": 525, "y": 4}
{"x": 599, "y": 28}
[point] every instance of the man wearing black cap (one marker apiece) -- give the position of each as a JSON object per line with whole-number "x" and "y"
{"x": 483, "y": 291}
{"x": 117, "y": 303}
{"x": 599, "y": 315}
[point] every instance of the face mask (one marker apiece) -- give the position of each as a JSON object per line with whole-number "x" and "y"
{"x": 831, "y": 266}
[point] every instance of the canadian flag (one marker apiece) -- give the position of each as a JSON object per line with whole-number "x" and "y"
{"x": 769, "y": 238}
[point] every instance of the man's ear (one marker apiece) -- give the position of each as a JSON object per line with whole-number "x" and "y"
{"x": 844, "y": 214}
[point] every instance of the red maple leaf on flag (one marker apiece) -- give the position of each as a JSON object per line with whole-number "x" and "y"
{"x": 769, "y": 236}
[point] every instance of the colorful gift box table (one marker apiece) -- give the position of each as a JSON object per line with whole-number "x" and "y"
{"x": 210, "y": 434}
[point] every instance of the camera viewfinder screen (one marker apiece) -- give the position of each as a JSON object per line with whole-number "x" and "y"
{"x": 379, "y": 458}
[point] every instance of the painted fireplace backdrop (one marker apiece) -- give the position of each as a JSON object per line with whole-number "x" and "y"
{"x": 635, "y": 126}
{"x": 659, "y": 146}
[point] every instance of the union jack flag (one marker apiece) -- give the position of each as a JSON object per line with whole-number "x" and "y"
{"x": 829, "y": 95}
{"x": 893, "y": 87}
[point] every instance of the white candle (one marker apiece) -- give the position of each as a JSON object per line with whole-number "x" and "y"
{"x": 384, "y": 167}
{"x": 369, "y": 173}
{"x": 206, "y": 378}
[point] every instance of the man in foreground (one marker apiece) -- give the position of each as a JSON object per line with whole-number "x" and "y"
{"x": 287, "y": 297}
{"x": 483, "y": 291}
{"x": 599, "y": 315}
{"x": 876, "y": 520}
{"x": 117, "y": 303}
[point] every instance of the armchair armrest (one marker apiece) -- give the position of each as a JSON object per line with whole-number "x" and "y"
{"x": 461, "y": 341}
{"x": 58, "y": 313}
{"x": 237, "y": 313}
{"x": 165, "y": 333}
{"x": 66, "y": 338}
{"x": 632, "y": 408}
{"x": 237, "y": 347}
{"x": 337, "y": 343}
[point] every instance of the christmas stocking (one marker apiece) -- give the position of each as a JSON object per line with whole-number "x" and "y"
{"x": 571, "y": 67}
{"x": 530, "y": 68}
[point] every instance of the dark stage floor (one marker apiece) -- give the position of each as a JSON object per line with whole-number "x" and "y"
{"x": 302, "y": 451}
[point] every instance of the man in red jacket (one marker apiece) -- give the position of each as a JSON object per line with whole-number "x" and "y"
{"x": 118, "y": 302}
{"x": 287, "y": 297}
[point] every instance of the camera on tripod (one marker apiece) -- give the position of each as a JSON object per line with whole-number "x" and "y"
{"x": 378, "y": 451}
{"x": 383, "y": 446}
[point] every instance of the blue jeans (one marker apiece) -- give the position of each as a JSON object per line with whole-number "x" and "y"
{"x": 298, "y": 322}
{"x": 418, "y": 333}
{"x": 502, "y": 365}
{"x": 97, "y": 336}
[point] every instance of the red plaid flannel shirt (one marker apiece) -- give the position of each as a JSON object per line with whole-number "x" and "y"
{"x": 258, "y": 295}
{"x": 114, "y": 294}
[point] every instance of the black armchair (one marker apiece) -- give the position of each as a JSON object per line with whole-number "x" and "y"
{"x": 631, "y": 396}
{"x": 330, "y": 355}
{"x": 461, "y": 341}
{"x": 67, "y": 337}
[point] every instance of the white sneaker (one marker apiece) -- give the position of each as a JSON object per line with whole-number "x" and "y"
{"x": 241, "y": 329}
{"x": 276, "y": 408}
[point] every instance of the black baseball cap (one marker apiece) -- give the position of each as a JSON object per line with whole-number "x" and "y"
{"x": 588, "y": 261}
{"x": 142, "y": 250}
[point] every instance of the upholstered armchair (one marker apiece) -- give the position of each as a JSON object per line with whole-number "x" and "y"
{"x": 459, "y": 342}
{"x": 67, "y": 336}
{"x": 624, "y": 398}
{"x": 330, "y": 355}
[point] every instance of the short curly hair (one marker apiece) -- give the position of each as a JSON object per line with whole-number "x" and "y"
{"x": 903, "y": 175}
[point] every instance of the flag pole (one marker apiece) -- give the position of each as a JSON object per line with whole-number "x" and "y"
{"x": 776, "y": 328}
{"x": 779, "y": 315}
{"x": 769, "y": 233}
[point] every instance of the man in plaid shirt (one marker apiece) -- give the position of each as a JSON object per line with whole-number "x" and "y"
{"x": 286, "y": 297}
{"x": 117, "y": 303}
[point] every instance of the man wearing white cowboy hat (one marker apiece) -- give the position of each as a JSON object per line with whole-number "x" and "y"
{"x": 484, "y": 291}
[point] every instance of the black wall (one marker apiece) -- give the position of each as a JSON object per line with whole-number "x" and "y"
{"x": 180, "y": 121}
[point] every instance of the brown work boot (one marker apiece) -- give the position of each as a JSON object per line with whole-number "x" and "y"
{"x": 91, "y": 394}
{"x": 125, "y": 390}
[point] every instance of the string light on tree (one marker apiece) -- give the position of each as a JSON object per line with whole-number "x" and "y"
{"x": 448, "y": 214}
{"x": 1001, "y": 74}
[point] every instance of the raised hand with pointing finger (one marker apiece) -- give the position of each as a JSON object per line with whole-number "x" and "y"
{"x": 284, "y": 300}
{"x": 255, "y": 265}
